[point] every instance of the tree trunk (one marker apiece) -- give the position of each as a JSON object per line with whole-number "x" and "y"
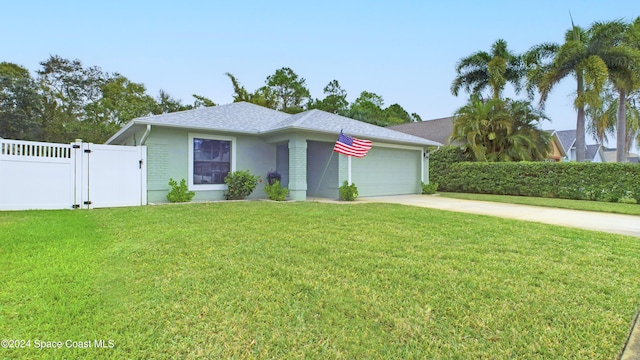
{"x": 580, "y": 136}
{"x": 621, "y": 127}
{"x": 580, "y": 133}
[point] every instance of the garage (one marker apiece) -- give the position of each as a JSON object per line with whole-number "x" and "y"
{"x": 388, "y": 171}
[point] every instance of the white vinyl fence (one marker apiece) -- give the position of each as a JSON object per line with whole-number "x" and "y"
{"x": 37, "y": 175}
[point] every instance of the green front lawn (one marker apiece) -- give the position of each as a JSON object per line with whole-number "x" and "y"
{"x": 600, "y": 206}
{"x": 312, "y": 280}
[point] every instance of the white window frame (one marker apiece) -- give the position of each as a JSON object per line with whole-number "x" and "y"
{"x": 204, "y": 187}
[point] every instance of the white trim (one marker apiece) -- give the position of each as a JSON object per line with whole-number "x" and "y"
{"x": 397, "y": 146}
{"x": 422, "y": 157}
{"x": 200, "y": 187}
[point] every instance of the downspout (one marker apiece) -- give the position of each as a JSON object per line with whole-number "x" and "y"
{"x": 145, "y": 135}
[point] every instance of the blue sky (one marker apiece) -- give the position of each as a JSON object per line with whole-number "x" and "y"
{"x": 403, "y": 50}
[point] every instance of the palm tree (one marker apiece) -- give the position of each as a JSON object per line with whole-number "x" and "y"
{"x": 551, "y": 63}
{"x": 620, "y": 50}
{"x": 526, "y": 141}
{"x": 601, "y": 120}
{"x": 501, "y": 130}
{"x": 482, "y": 70}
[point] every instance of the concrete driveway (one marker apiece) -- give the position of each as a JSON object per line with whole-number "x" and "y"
{"x": 612, "y": 223}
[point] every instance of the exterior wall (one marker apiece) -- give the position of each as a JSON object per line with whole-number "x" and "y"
{"x": 168, "y": 154}
{"x": 555, "y": 153}
{"x": 322, "y": 170}
{"x": 282, "y": 163}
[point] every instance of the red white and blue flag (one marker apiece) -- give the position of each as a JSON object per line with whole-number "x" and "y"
{"x": 351, "y": 146}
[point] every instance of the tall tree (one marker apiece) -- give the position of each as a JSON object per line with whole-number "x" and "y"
{"x": 619, "y": 45}
{"x": 241, "y": 94}
{"x": 601, "y": 119}
{"x": 168, "y": 104}
{"x": 482, "y": 70}
{"x": 67, "y": 87}
{"x": 368, "y": 108}
{"x": 396, "y": 114}
{"x": 290, "y": 90}
{"x": 202, "y": 101}
{"x": 121, "y": 100}
{"x": 633, "y": 120}
{"x": 335, "y": 100}
{"x": 263, "y": 96}
{"x": 577, "y": 56}
{"x": 20, "y": 103}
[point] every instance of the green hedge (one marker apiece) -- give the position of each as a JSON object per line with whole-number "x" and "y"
{"x": 440, "y": 161}
{"x": 569, "y": 180}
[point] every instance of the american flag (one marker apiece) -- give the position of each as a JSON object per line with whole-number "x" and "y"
{"x": 351, "y": 146}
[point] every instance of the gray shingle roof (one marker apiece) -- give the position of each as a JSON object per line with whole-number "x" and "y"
{"x": 438, "y": 130}
{"x": 237, "y": 117}
{"x": 567, "y": 138}
{"x": 248, "y": 118}
{"x": 591, "y": 151}
{"x": 322, "y": 121}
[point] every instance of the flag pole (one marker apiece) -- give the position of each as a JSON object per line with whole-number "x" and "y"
{"x": 349, "y": 169}
{"x": 323, "y": 173}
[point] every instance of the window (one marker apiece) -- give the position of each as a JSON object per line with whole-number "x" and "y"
{"x": 211, "y": 158}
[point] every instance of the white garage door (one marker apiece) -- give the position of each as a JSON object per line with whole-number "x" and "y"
{"x": 388, "y": 171}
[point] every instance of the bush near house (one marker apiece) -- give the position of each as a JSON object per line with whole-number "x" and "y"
{"x": 179, "y": 193}
{"x": 612, "y": 182}
{"x": 430, "y": 188}
{"x": 240, "y": 184}
{"x": 275, "y": 191}
{"x": 348, "y": 192}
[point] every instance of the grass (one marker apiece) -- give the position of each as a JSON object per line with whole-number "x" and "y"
{"x": 600, "y": 206}
{"x": 311, "y": 280}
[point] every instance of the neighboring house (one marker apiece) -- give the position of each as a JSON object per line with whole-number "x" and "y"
{"x": 203, "y": 145}
{"x": 611, "y": 153}
{"x": 438, "y": 130}
{"x": 557, "y": 153}
{"x": 593, "y": 153}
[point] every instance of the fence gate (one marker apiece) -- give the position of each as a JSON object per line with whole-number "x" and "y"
{"x": 36, "y": 175}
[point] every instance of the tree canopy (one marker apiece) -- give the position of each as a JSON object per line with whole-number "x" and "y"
{"x": 67, "y": 101}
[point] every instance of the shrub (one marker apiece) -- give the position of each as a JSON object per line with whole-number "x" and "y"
{"x": 348, "y": 192}
{"x": 179, "y": 193}
{"x": 429, "y": 188}
{"x": 570, "y": 180}
{"x": 275, "y": 191}
{"x": 441, "y": 160}
{"x": 240, "y": 184}
{"x": 628, "y": 198}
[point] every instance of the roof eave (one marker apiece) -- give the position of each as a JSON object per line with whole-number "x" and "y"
{"x": 421, "y": 142}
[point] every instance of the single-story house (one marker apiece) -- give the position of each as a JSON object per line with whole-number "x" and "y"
{"x": 593, "y": 152}
{"x": 205, "y": 144}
